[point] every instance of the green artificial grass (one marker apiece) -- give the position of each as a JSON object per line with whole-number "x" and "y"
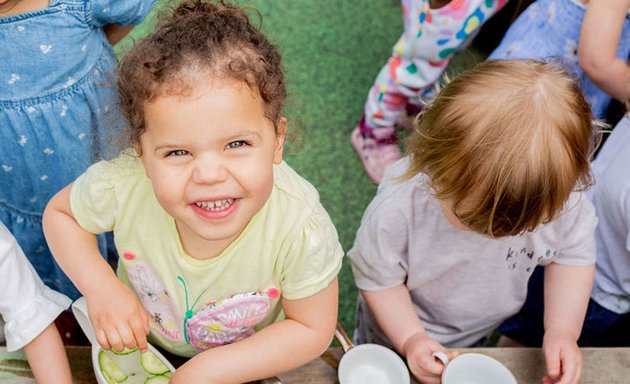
{"x": 332, "y": 52}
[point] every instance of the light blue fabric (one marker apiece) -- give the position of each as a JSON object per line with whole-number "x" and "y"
{"x": 550, "y": 30}
{"x": 58, "y": 111}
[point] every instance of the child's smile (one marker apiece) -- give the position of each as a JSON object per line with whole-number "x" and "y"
{"x": 210, "y": 155}
{"x": 216, "y": 209}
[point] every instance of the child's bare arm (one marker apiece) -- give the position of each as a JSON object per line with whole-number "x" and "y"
{"x": 567, "y": 292}
{"x": 47, "y": 357}
{"x": 118, "y": 318}
{"x": 115, "y": 32}
{"x": 280, "y": 347}
{"x": 393, "y": 310}
{"x": 599, "y": 39}
{"x": 75, "y": 249}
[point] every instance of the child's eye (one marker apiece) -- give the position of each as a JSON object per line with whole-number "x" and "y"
{"x": 237, "y": 144}
{"x": 177, "y": 152}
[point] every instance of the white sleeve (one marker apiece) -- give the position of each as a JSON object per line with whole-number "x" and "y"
{"x": 26, "y": 304}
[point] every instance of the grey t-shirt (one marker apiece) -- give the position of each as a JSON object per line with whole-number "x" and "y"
{"x": 462, "y": 284}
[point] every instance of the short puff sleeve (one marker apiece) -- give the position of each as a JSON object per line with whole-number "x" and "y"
{"x": 122, "y": 12}
{"x": 314, "y": 257}
{"x": 93, "y": 198}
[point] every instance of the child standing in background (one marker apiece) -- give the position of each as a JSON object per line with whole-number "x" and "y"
{"x": 58, "y": 107}
{"x": 227, "y": 255}
{"x": 29, "y": 308}
{"x": 433, "y": 32}
{"x": 608, "y": 315}
{"x": 591, "y": 37}
{"x": 488, "y": 192}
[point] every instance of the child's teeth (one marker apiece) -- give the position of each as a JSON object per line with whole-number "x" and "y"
{"x": 217, "y": 205}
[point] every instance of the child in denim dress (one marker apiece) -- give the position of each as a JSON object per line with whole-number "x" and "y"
{"x": 553, "y": 29}
{"x": 57, "y": 107}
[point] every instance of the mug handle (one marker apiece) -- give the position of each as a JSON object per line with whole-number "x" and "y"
{"x": 441, "y": 355}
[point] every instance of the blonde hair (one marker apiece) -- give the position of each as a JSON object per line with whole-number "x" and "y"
{"x": 504, "y": 144}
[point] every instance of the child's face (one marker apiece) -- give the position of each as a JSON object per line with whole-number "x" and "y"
{"x": 209, "y": 157}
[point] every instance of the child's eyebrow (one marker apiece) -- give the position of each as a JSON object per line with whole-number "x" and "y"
{"x": 236, "y": 136}
{"x": 161, "y": 147}
{"x": 243, "y": 134}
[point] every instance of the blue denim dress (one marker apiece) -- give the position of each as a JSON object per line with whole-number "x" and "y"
{"x": 58, "y": 111}
{"x": 550, "y": 29}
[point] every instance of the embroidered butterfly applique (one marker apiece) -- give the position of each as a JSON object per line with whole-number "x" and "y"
{"x": 215, "y": 323}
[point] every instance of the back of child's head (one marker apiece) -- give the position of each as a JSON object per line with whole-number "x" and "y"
{"x": 202, "y": 41}
{"x": 504, "y": 145}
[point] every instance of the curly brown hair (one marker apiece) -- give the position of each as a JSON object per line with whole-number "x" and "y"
{"x": 211, "y": 39}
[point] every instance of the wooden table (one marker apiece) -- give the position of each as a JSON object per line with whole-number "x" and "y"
{"x": 601, "y": 365}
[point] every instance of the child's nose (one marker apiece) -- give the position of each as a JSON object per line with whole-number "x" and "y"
{"x": 209, "y": 169}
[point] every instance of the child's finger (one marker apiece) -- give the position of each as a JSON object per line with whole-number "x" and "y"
{"x": 127, "y": 337}
{"x": 569, "y": 372}
{"x": 145, "y": 322}
{"x": 101, "y": 337}
{"x": 452, "y": 354}
{"x": 140, "y": 336}
{"x": 433, "y": 366}
{"x": 114, "y": 339}
{"x": 553, "y": 364}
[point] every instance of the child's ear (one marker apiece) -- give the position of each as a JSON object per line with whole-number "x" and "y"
{"x": 281, "y": 135}
{"x": 137, "y": 149}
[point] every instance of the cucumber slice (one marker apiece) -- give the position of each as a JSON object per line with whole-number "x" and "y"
{"x": 152, "y": 364}
{"x": 110, "y": 369}
{"x": 125, "y": 351}
{"x": 107, "y": 378}
{"x": 160, "y": 379}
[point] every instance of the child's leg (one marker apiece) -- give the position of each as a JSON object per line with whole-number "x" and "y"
{"x": 398, "y": 82}
{"x": 526, "y": 328}
{"x": 597, "y": 325}
{"x": 419, "y": 58}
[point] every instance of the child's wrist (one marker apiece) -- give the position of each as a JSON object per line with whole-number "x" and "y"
{"x": 100, "y": 286}
{"x": 561, "y": 333}
{"x": 411, "y": 340}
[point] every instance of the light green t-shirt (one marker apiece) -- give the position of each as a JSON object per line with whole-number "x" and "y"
{"x": 289, "y": 249}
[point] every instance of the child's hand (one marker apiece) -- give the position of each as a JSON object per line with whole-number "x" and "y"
{"x": 563, "y": 358}
{"x": 118, "y": 318}
{"x": 418, "y": 350}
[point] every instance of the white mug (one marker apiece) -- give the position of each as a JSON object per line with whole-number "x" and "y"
{"x": 369, "y": 363}
{"x": 372, "y": 364}
{"x": 473, "y": 368}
